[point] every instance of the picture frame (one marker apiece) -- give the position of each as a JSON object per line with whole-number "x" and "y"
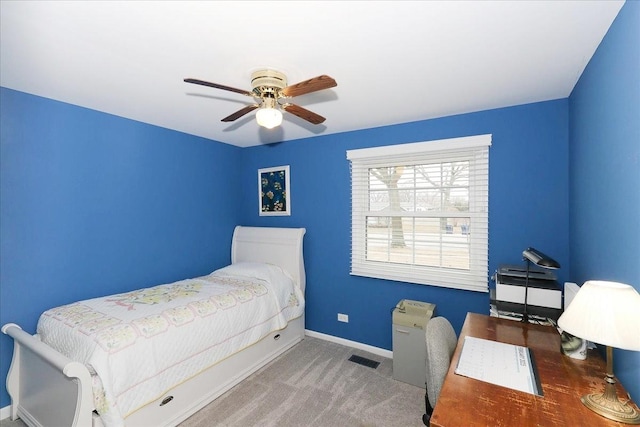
{"x": 274, "y": 191}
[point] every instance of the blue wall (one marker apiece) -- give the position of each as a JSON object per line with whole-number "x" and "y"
{"x": 528, "y": 193}
{"x": 94, "y": 204}
{"x": 605, "y": 170}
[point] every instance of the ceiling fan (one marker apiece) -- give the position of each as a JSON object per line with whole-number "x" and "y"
{"x": 270, "y": 90}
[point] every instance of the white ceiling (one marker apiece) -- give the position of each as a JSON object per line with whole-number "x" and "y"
{"x": 395, "y": 62}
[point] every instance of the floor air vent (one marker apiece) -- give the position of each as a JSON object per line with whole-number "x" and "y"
{"x": 364, "y": 361}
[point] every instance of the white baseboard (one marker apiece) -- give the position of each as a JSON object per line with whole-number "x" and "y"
{"x": 5, "y": 412}
{"x": 371, "y": 349}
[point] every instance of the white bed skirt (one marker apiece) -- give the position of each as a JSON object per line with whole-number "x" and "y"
{"x": 193, "y": 395}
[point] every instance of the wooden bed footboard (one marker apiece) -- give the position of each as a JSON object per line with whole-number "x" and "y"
{"x": 47, "y": 388}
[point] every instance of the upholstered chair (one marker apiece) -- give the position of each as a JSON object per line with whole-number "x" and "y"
{"x": 441, "y": 342}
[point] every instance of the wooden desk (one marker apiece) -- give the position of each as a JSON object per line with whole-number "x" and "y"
{"x": 468, "y": 402}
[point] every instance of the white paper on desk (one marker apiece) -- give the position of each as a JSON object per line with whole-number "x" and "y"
{"x": 499, "y": 363}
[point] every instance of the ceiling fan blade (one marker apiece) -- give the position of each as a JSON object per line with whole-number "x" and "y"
{"x": 303, "y": 113}
{"x": 240, "y": 113}
{"x": 308, "y": 86}
{"x": 217, "y": 86}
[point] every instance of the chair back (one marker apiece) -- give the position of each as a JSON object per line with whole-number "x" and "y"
{"x": 441, "y": 343}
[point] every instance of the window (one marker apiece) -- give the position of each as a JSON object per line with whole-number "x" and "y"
{"x": 420, "y": 212}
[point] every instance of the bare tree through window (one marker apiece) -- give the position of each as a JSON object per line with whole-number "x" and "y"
{"x": 390, "y": 177}
{"x": 402, "y": 195}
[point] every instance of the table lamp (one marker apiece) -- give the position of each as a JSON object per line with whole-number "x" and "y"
{"x": 606, "y": 313}
{"x": 536, "y": 257}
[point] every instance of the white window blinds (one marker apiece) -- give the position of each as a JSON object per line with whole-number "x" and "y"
{"x": 420, "y": 212}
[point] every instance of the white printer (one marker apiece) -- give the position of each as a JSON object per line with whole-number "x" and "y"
{"x": 544, "y": 296}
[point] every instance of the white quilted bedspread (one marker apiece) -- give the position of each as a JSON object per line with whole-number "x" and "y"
{"x": 142, "y": 343}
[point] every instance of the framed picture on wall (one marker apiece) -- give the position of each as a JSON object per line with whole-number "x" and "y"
{"x": 274, "y": 195}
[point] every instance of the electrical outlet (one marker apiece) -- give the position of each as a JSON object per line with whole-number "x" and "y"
{"x": 343, "y": 318}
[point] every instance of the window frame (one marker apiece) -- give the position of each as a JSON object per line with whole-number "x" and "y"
{"x": 475, "y": 149}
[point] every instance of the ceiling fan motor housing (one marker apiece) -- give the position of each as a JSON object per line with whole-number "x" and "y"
{"x": 267, "y": 81}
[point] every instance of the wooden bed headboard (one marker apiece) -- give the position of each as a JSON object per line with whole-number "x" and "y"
{"x": 273, "y": 245}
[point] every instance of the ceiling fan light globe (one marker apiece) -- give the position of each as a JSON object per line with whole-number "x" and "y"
{"x": 269, "y": 117}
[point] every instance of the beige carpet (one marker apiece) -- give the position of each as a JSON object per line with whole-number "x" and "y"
{"x": 314, "y": 384}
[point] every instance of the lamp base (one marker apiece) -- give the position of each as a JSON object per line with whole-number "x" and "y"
{"x": 610, "y": 407}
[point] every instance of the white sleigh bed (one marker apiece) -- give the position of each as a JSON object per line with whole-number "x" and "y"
{"x": 48, "y": 388}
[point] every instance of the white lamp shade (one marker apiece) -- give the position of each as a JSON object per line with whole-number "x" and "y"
{"x": 269, "y": 117}
{"x": 606, "y": 313}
